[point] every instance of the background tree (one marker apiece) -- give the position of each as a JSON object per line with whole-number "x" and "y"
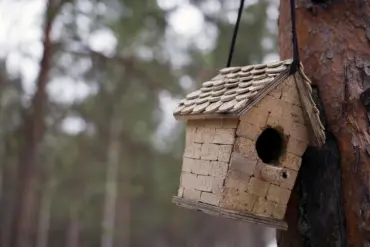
{"x": 33, "y": 130}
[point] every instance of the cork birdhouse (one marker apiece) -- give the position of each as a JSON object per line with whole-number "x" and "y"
{"x": 246, "y": 131}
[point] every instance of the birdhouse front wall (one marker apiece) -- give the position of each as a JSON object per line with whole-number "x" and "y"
{"x": 253, "y": 185}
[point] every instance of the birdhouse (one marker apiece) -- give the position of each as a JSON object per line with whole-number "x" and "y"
{"x": 246, "y": 131}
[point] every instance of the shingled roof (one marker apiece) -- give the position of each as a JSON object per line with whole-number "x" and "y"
{"x": 231, "y": 90}
{"x": 236, "y": 89}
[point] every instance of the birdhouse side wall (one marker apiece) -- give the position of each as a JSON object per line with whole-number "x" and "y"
{"x": 252, "y": 186}
{"x": 208, "y": 148}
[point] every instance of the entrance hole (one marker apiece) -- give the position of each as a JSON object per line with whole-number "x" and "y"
{"x": 270, "y": 145}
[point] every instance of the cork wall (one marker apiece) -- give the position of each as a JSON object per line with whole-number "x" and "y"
{"x": 221, "y": 166}
{"x": 251, "y": 185}
{"x": 208, "y": 148}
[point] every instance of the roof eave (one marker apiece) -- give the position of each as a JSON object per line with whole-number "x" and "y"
{"x": 310, "y": 111}
{"x": 206, "y": 116}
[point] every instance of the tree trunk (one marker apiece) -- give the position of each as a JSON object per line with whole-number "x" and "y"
{"x": 126, "y": 217}
{"x": 44, "y": 215}
{"x": 34, "y": 126}
{"x": 123, "y": 203}
{"x": 7, "y": 209}
{"x": 2, "y": 157}
{"x": 331, "y": 200}
{"x": 6, "y": 200}
{"x": 108, "y": 224}
{"x": 73, "y": 230}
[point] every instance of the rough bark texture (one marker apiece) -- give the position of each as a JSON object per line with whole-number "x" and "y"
{"x": 331, "y": 203}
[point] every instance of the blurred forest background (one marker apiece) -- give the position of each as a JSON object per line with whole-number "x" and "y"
{"x": 90, "y": 154}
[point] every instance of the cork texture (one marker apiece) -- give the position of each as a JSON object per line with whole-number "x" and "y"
{"x": 221, "y": 166}
{"x": 266, "y": 187}
{"x": 209, "y": 144}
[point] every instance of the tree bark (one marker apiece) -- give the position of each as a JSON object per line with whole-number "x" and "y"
{"x": 34, "y": 126}
{"x": 44, "y": 215}
{"x": 124, "y": 238}
{"x": 5, "y": 199}
{"x": 7, "y": 209}
{"x": 331, "y": 200}
{"x": 73, "y": 230}
{"x": 108, "y": 224}
{"x": 2, "y": 156}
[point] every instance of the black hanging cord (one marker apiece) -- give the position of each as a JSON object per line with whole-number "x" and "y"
{"x": 296, "y": 61}
{"x": 235, "y": 33}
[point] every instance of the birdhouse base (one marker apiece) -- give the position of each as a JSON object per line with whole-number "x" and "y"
{"x": 217, "y": 211}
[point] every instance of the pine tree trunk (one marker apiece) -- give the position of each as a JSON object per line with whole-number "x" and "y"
{"x": 2, "y": 165}
{"x": 330, "y": 205}
{"x": 73, "y": 230}
{"x": 5, "y": 200}
{"x": 126, "y": 217}
{"x": 44, "y": 216}
{"x": 108, "y": 224}
{"x": 26, "y": 198}
{"x": 7, "y": 209}
{"x": 123, "y": 215}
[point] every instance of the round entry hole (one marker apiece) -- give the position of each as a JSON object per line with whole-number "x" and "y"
{"x": 269, "y": 146}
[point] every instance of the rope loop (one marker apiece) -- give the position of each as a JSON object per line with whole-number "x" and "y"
{"x": 235, "y": 33}
{"x": 296, "y": 61}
